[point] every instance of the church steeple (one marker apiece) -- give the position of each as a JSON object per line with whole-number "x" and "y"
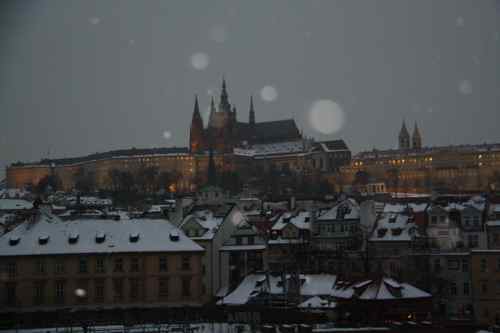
{"x": 212, "y": 111}
{"x": 251, "y": 116}
{"x": 404, "y": 137}
{"x": 196, "y": 132}
{"x": 416, "y": 138}
{"x": 224, "y": 105}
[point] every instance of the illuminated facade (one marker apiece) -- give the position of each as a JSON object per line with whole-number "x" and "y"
{"x": 416, "y": 169}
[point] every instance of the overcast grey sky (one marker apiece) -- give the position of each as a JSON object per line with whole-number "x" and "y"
{"x": 78, "y": 77}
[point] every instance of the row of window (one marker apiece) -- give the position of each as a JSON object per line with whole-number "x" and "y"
{"x": 483, "y": 265}
{"x": 118, "y": 266}
{"x": 60, "y": 292}
{"x": 452, "y": 264}
{"x": 331, "y": 228}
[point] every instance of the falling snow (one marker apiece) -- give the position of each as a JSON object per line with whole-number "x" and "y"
{"x": 200, "y": 61}
{"x": 94, "y": 20}
{"x": 268, "y": 94}
{"x": 218, "y": 34}
{"x": 167, "y": 135}
{"x": 326, "y": 116}
{"x": 465, "y": 87}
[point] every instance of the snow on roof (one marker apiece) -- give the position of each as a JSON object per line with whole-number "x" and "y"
{"x": 241, "y": 294}
{"x": 302, "y": 220}
{"x": 493, "y": 223}
{"x": 495, "y": 208}
{"x": 254, "y": 284}
{"x": 14, "y": 193}
{"x": 79, "y": 236}
{"x": 417, "y": 208}
{"x": 380, "y": 289}
{"x": 254, "y": 247}
{"x": 320, "y": 284}
{"x": 317, "y": 302}
{"x": 394, "y": 208}
{"x": 15, "y": 204}
{"x": 272, "y": 149}
{"x": 393, "y": 227}
{"x": 345, "y": 210}
{"x": 207, "y": 220}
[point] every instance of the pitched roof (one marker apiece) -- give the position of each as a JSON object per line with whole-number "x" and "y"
{"x": 270, "y": 131}
{"x": 110, "y": 154}
{"x": 122, "y": 236}
{"x": 333, "y": 145}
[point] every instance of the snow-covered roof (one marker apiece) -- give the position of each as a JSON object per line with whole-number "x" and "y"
{"x": 351, "y": 211}
{"x": 495, "y": 208}
{"x": 207, "y": 220}
{"x": 15, "y": 204}
{"x": 393, "y": 227}
{"x": 245, "y": 247}
{"x": 254, "y": 284}
{"x": 317, "y": 302}
{"x": 394, "y": 208}
{"x": 302, "y": 220}
{"x": 495, "y": 223}
{"x": 91, "y": 201}
{"x": 417, "y": 208}
{"x": 380, "y": 289}
{"x": 80, "y": 236}
{"x": 273, "y": 149}
{"x": 14, "y": 193}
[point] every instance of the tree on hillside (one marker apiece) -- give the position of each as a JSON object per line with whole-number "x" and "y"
{"x": 85, "y": 180}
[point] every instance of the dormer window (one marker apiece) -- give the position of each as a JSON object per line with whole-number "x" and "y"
{"x": 100, "y": 237}
{"x": 73, "y": 238}
{"x": 396, "y": 231}
{"x": 43, "y": 239}
{"x": 392, "y": 219}
{"x": 174, "y": 236}
{"x": 14, "y": 240}
{"x": 381, "y": 232}
{"x": 134, "y": 237}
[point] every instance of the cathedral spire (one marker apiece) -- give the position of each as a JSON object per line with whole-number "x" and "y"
{"x": 224, "y": 105}
{"x": 416, "y": 138}
{"x": 196, "y": 132}
{"x": 404, "y": 137}
{"x": 251, "y": 117}
{"x": 211, "y": 113}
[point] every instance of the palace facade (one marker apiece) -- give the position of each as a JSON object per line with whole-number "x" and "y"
{"x": 413, "y": 168}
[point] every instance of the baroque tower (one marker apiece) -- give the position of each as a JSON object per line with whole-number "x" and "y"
{"x": 196, "y": 133}
{"x": 416, "y": 138}
{"x": 404, "y": 137}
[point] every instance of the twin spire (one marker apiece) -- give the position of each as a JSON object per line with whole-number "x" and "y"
{"x": 404, "y": 138}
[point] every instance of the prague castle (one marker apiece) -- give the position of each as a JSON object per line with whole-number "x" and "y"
{"x": 234, "y": 145}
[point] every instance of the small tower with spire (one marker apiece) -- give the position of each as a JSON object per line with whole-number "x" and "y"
{"x": 416, "y": 138}
{"x": 196, "y": 135}
{"x": 224, "y": 105}
{"x": 211, "y": 115}
{"x": 251, "y": 116}
{"x": 404, "y": 137}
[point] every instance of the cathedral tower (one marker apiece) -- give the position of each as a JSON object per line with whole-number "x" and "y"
{"x": 416, "y": 138}
{"x": 404, "y": 137}
{"x": 196, "y": 137}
